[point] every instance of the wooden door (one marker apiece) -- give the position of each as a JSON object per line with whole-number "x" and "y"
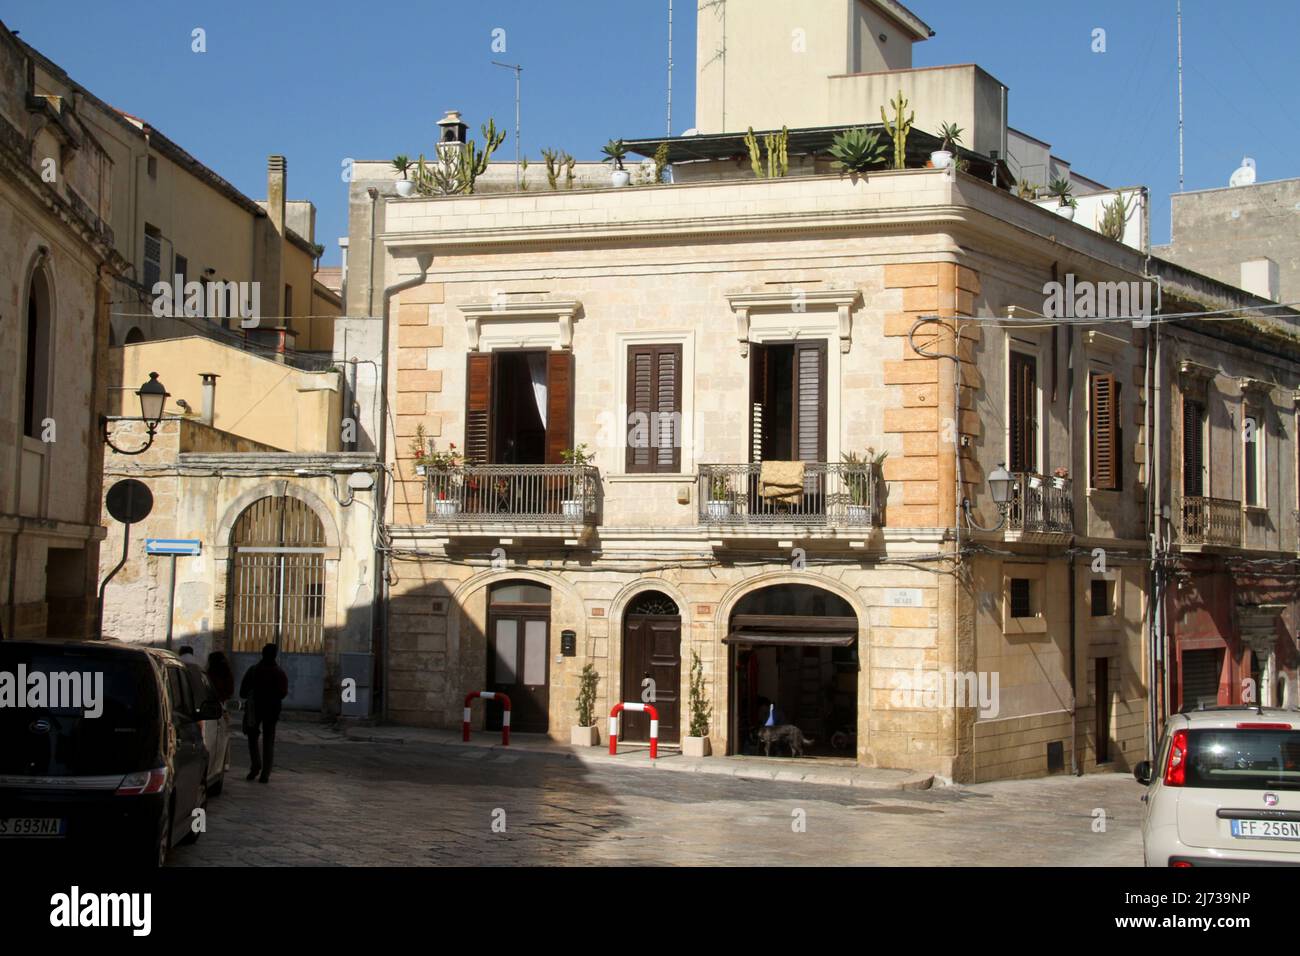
{"x": 518, "y": 650}
{"x": 1102, "y": 680}
{"x": 652, "y": 649}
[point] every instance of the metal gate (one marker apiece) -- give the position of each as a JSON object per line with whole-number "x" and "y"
{"x": 278, "y": 578}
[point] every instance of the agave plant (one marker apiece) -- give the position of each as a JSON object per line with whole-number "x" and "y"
{"x": 402, "y": 163}
{"x": 1061, "y": 188}
{"x": 950, "y": 134}
{"x": 859, "y": 150}
{"x": 614, "y": 152}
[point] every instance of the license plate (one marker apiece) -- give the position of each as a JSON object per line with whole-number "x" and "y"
{"x": 1266, "y": 829}
{"x": 31, "y": 827}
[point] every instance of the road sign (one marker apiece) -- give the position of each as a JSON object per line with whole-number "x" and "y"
{"x": 172, "y": 546}
{"x": 129, "y": 501}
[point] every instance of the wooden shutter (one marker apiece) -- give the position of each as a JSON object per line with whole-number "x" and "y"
{"x": 559, "y": 405}
{"x": 654, "y": 404}
{"x": 1104, "y": 431}
{"x": 1023, "y": 413}
{"x": 757, "y": 399}
{"x": 810, "y": 401}
{"x": 1194, "y": 451}
{"x": 479, "y": 378}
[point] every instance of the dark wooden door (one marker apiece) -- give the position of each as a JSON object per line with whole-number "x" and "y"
{"x": 518, "y": 651}
{"x": 1102, "y": 679}
{"x": 652, "y": 647}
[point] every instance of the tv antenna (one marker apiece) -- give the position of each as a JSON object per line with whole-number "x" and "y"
{"x": 518, "y": 70}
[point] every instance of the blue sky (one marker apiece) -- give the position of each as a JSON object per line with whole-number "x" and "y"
{"x": 319, "y": 82}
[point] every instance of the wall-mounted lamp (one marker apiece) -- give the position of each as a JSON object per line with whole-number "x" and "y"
{"x": 1000, "y": 482}
{"x": 153, "y": 397}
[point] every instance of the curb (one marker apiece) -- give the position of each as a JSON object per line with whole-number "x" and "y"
{"x": 837, "y": 777}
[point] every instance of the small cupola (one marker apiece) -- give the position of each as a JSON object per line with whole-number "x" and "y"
{"x": 451, "y": 131}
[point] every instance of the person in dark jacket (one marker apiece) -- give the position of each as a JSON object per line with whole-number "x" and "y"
{"x": 222, "y": 677}
{"x": 263, "y": 688}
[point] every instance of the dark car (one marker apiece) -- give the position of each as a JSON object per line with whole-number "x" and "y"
{"x": 118, "y": 770}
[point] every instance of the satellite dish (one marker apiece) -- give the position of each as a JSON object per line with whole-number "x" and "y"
{"x": 1244, "y": 174}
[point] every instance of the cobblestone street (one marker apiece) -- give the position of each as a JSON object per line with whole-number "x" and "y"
{"x": 334, "y": 801}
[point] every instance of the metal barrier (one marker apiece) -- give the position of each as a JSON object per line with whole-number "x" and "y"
{"x": 638, "y": 708}
{"x": 505, "y": 718}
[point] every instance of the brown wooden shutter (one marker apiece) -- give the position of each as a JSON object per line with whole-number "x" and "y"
{"x": 478, "y": 406}
{"x": 757, "y": 399}
{"x": 1024, "y": 413}
{"x": 1104, "y": 432}
{"x": 654, "y": 404}
{"x": 559, "y": 405}
{"x": 810, "y": 401}
{"x": 1194, "y": 459}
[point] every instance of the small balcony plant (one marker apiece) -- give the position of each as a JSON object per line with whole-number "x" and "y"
{"x": 950, "y": 134}
{"x": 579, "y": 458}
{"x": 859, "y": 150}
{"x": 696, "y": 743}
{"x": 402, "y": 163}
{"x": 1063, "y": 190}
{"x": 719, "y": 503}
{"x": 615, "y": 151}
{"x": 1060, "y": 475}
{"x": 860, "y": 478}
{"x": 586, "y": 734}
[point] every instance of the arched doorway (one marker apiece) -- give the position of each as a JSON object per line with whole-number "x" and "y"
{"x": 518, "y": 648}
{"x": 277, "y": 591}
{"x": 794, "y": 660}
{"x": 652, "y": 651}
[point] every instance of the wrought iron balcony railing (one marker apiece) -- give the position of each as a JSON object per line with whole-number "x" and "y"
{"x": 515, "y": 494}
{"x": 1212, "y": 521}
{"x": 1041, "y": 504}
{"x": 835, "y": 494}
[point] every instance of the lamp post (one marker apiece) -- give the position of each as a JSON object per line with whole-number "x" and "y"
{"x": 153, "y": 397}
{"x": 1000, "y": 481}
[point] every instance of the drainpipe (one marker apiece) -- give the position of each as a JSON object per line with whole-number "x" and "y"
{"x": 1075, "y": 767}
{"x": 423, "y": 260}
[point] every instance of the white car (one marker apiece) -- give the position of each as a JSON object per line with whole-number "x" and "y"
{"x": 216, "y": 732}
{"x": 1225, "y": 790}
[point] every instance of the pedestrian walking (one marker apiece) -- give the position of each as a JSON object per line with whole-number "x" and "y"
{"x": 263, "y": 689}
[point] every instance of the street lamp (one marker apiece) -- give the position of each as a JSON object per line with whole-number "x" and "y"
{"x": 153, "y": 397}
{"x": 1000, "y": 481}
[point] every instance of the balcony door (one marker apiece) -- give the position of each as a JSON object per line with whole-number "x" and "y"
{"x": 519, "y": 407}
{"x": 787, "y": 401}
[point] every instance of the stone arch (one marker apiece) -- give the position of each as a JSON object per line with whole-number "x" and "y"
{"x": 736, "y": 592}
{"x": 133, "y": 335}
{"x": 40, "y": 278}
{"x": 617, "y": 614}
{"x": 630, "y": 590}
{"x": 276, "y": 489}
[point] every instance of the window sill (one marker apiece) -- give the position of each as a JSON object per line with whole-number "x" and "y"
{"x": 1255, "y": 509}
{"x": 1025, "y": 625}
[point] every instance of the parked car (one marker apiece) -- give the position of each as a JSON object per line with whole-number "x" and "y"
{"x": 215, "y": 731}
{"x": 1225, "y": 790}
{"x": 125, "y": 780}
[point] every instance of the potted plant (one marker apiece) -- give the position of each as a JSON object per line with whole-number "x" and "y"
{"x": 860, "y": 479}
{"x": 586, "y": 734}
{"x": 720, "y": 503}
{"x": 1060, "y": 475}
{"x": 696, "y": 743}
{"x": 950, "y": 134}
{"x": 402, "y": 163}
{"x": 614, "y": 152}
{"x": 579, "y": 458}
{"x": 859, "y": 150}
{"x": 420, "y": 451}
{"x": 444, "y": 465}
{"x": 1062, "y": 189}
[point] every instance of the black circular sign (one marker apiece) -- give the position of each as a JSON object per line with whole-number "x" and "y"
{"x": 129, "y": 501}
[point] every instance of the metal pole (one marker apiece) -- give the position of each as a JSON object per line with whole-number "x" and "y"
{"x": 1180, "y": 95}
{"x": 518, "y": 68}
{"x": 171, "y": 602}
{"x": 99, "y": 605}
{"x": 670, "y": 68}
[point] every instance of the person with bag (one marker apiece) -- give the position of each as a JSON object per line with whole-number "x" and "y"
{"x": 263, "y": 689}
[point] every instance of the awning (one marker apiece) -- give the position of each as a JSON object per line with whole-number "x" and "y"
{"x": 791, "y": 629}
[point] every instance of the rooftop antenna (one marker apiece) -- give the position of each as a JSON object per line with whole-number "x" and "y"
{"x": 518, "y": 70}
{"x": 670, "y": 68}
{"x": 1180, "y": 95}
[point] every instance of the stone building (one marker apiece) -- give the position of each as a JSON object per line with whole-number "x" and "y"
{"x": 58, "y": 266}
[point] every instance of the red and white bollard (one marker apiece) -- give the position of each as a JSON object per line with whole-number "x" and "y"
{"x": 638, "y": 708}
{"x": 505, "y": 718}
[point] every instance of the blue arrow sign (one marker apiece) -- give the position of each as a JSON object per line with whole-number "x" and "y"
{"x": 172, "y": 545}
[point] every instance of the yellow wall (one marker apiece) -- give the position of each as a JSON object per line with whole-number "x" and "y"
{"x": 256, "y": 398}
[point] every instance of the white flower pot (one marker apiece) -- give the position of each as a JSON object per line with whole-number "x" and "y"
{"x": 696, "y": 747}
{"x": 572, "y": 510}
{"x": 719, "y": 509}
{"x": 584, "y": 736}
{"x": 405, "y": 188}
{"x": 620, "y": 178}
{"x": 858, "y": 514}
{"x": 1058, "y": 482}
{"x": 1066, "y": 212}
{"x": 446, "y": 507}
{"x": 941, "y": 159}
{"x": 421, "y": 470}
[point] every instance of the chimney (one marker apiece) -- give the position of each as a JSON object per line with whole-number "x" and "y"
{"x": 273, "y": 277}
{"x": 209, "y": 396}
{"x": 1260, "y": 277}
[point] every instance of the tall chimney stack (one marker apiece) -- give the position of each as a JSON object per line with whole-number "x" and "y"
{"x": 273, "y": 280}
{"x": 209, "y": 396}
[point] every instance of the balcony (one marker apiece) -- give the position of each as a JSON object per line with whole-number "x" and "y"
{"x": 1040, "y": 505}
{"x": 556, "y": 501}
{"x": 1210, "y": 522}
{"x": 837, "y": 497}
